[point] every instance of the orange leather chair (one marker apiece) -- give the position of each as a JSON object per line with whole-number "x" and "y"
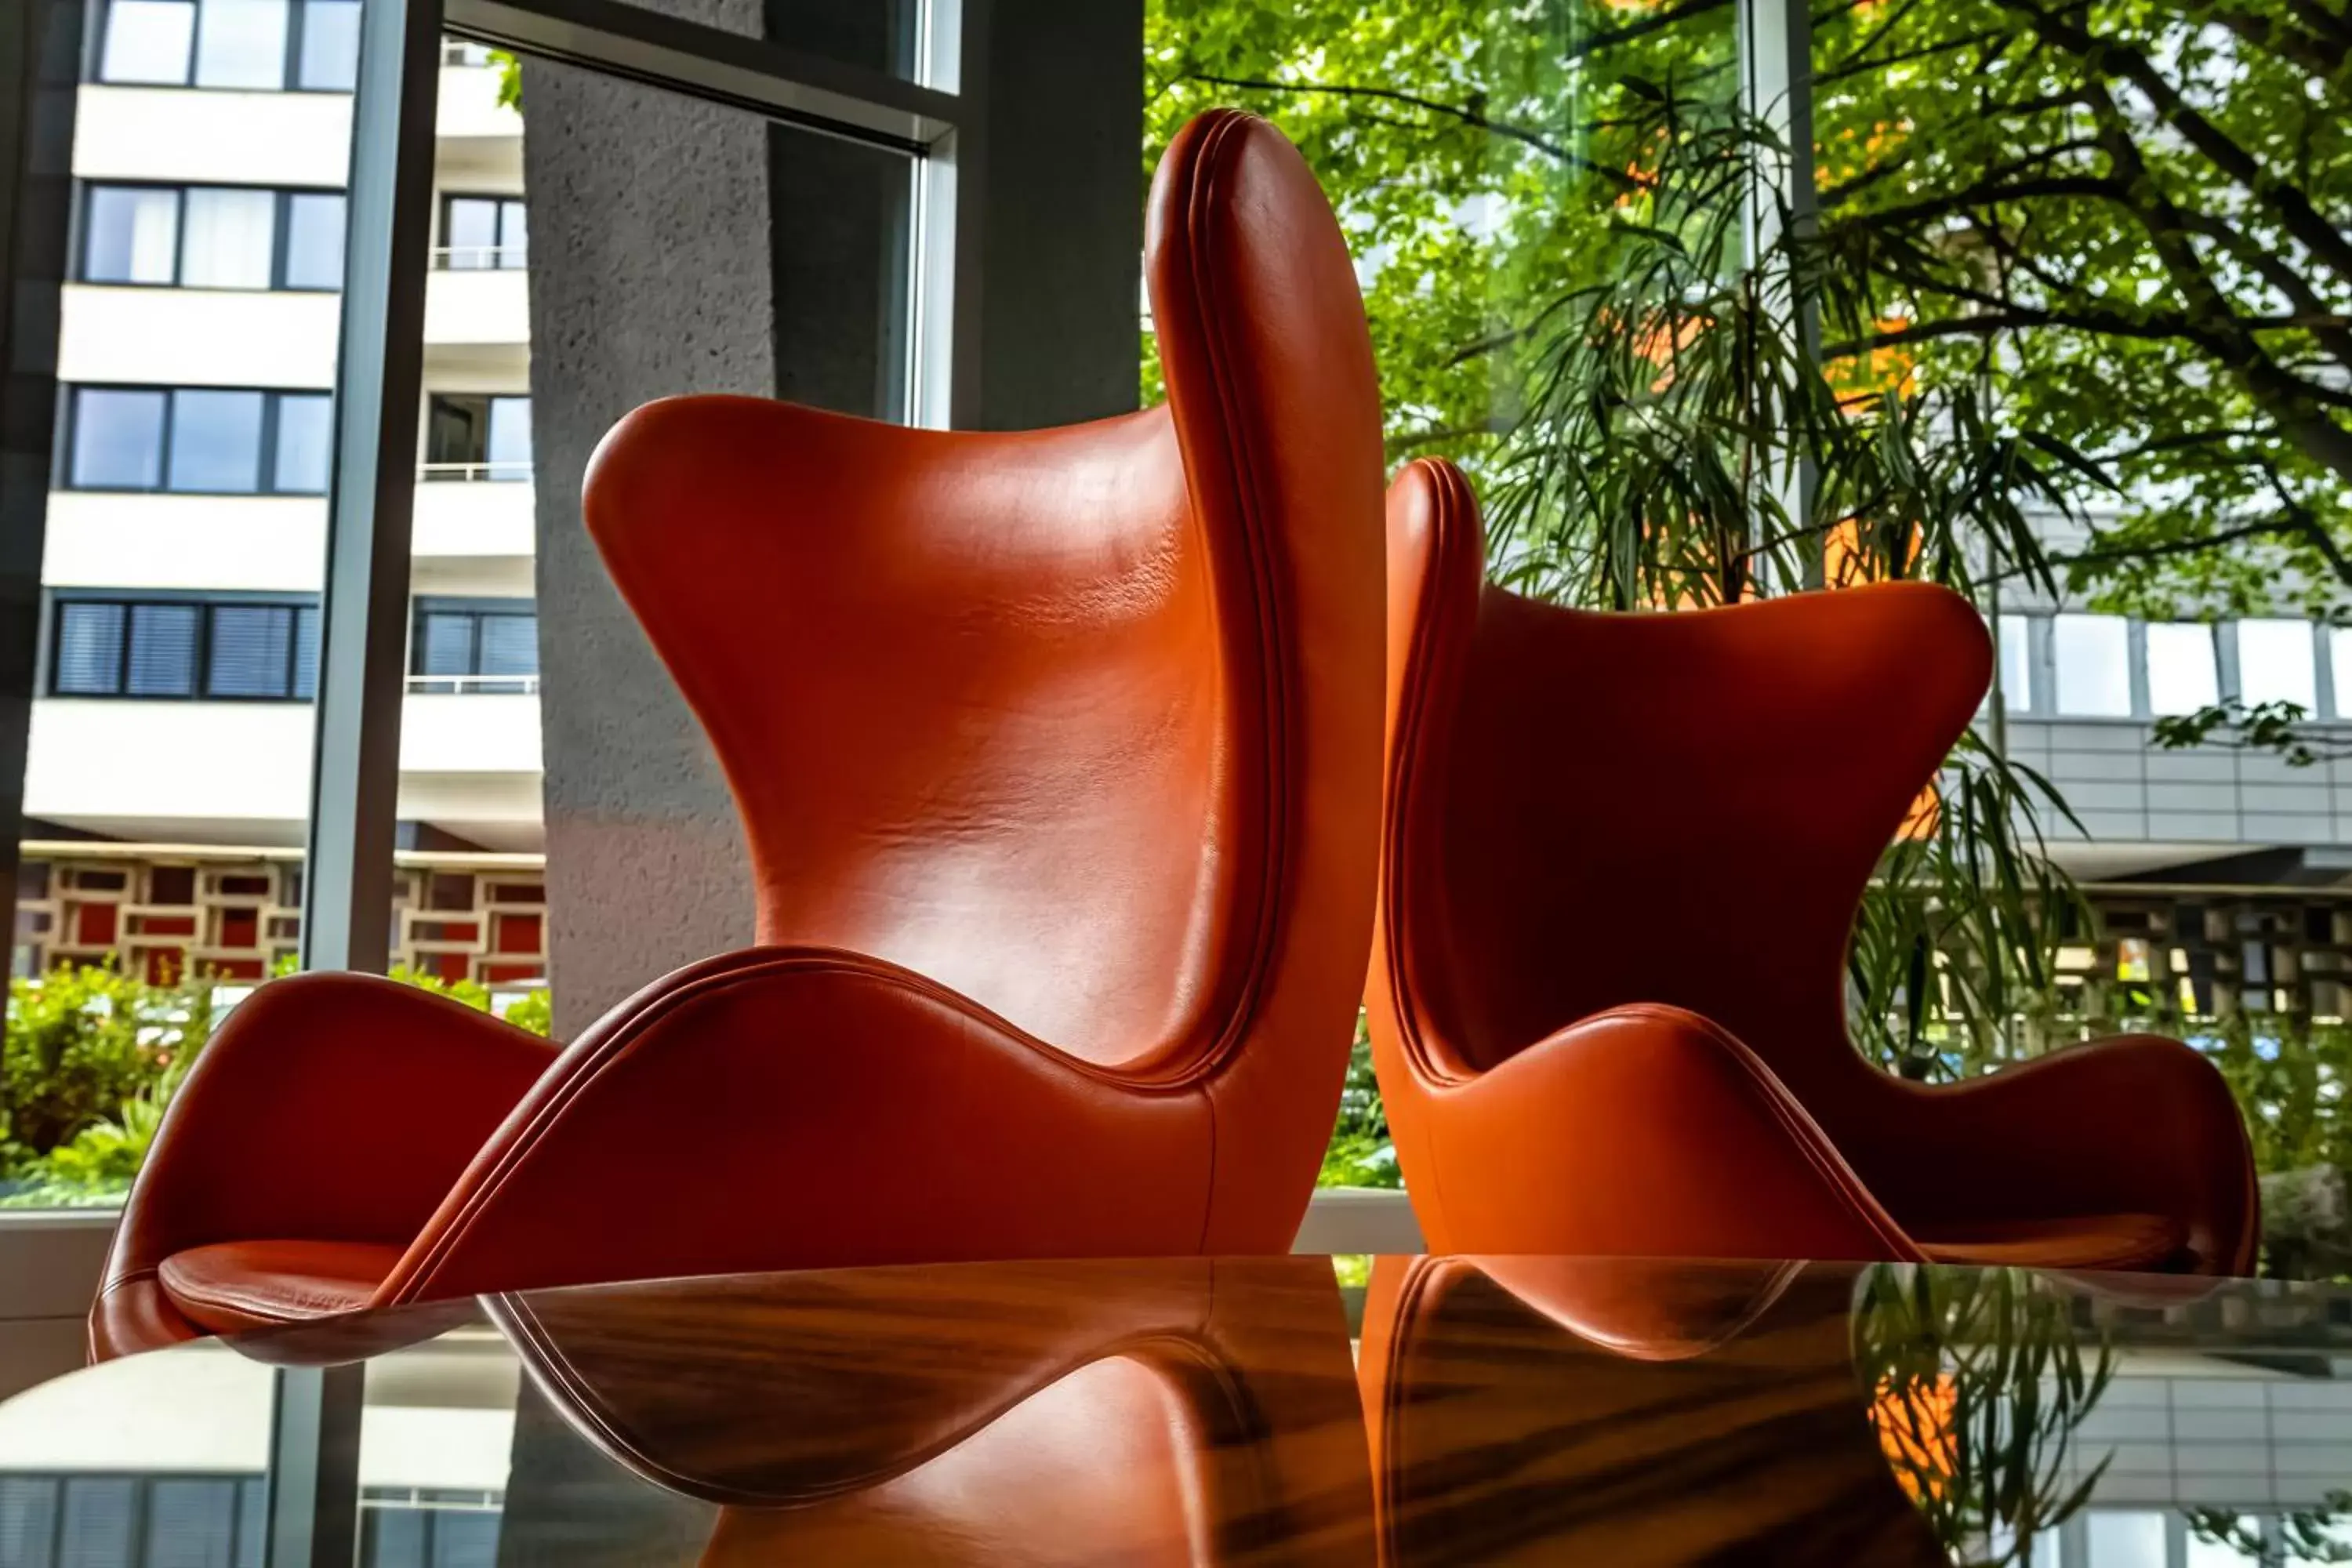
{"x": 1186, "y": 1411}
{"x": 1619, "y": 860}
{"x": 1630, "y": 1412}
{"x": 1058, "y": 758}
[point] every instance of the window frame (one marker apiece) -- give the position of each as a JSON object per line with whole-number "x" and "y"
{"x": 427, "y": 462}
{"x": 469, "y": 682}
{"x": 280, "y": 217}
{"x": 289, "y": 72}
{"x": 443, "y": 248}
{"x": 265, "y": 452}
{"x": 206, "y": 603}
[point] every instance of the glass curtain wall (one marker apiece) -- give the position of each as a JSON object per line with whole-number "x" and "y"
{"x": 1483, "y": 160}
{"x": 167, "y": 773}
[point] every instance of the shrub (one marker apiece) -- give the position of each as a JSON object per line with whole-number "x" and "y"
{"x": 93, "y": 1057}
{"x": 81, "y": 1042}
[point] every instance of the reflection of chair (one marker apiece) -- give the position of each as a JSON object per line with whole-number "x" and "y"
{"x": 1624, "y": 1411}
{"x": 1058, "y": 757}
{"x": 1178, "y": 1410}
{"x": 1620, "y": 861}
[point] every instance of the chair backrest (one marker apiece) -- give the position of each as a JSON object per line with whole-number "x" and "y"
{"x": 1083, "y": 723}
{"x": 1591, "y": 810}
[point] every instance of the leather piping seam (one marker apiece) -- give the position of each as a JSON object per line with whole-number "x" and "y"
{"x": 1200, "y": 175}
{"x": 1798, "y": 1124}
{"x": 1421, "y": 680}
{"x": 124, "y": 1281}
{"x": 610, "y": 1051}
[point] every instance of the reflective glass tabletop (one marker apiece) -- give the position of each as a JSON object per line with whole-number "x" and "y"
{"x": 1348, "y": 1410}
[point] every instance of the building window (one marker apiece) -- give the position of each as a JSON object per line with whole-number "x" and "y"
{"x": 482, "y": 232}
{"x": 476, "y": 435}
{"x": 474, "y": 644}
{"x": 240, "y": 45}
{"x": 212, "y": 237}
{"x": 118, "y": 439}
{"x": 2277, "y": 663}
{"x": 2092, "y": 656}
{"x": 198, "y": 440}
{"x": 2182, "y": 676}
{"x": 223, "y": 649}
{"x": 2017, "y": 664}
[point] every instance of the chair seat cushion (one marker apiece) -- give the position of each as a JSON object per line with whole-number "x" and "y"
{"x": 2122, "y": 1241}
{"x": 236, "y": 1285}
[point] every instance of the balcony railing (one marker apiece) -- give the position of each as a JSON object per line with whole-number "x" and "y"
{"x": 480, "y": 257}
{"x": 473, "y": 685}
{"x": 473, "y": 473}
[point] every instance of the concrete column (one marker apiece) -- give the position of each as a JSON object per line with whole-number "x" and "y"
{"x": 650, "y": 276}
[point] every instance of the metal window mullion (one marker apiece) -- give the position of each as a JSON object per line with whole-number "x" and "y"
{"x": 794, "y": 87}
{"x": 1775, "y": 42}
{"x": 355, "y": 778}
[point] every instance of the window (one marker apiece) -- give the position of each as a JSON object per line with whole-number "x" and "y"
{"x": 212, "y": 237}
{"x": 216, "y": 447}
{"x": 161, "y": 660}
{"x": 314, "y": 241}
{"x": 221, "y": 648}
{"x": 230, "y": 238}
{"x": 480, "y": 232}
{"x": 239, "y": 44}
{"x": 330, "y": 56}
{"x": 88, "y": 660}
{"x": 2181, "y": 674}
{"x": 474, "y": 645}
{"x": 2017, "y": 664}
{"x": 2276, "y": 663}
{"x": 131, "y": 234}
{"x": 305, "y": 443}
{"x": 118, "y": 439}
{"x": 148, "y": 41}
{"x": 198, "y": 440}
{"x": 475, "y": 436}
{"x": 2093, "y": 654}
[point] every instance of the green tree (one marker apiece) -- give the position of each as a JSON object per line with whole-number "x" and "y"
{"x": 1472, "y": 152}
{"x": 2137, "y": 216}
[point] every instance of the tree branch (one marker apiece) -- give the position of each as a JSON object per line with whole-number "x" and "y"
{"x": 1463, "y": 113}
{"x": 2109, "y": 58}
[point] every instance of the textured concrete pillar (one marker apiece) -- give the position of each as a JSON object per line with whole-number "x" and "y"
{"x": 649, "y": 275}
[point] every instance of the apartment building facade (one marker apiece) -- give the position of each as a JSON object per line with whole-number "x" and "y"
{"x": 2221, "y": 872}
{"x": 169, "y": 771}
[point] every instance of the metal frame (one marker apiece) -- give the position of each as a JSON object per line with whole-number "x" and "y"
{"x": 379, "y": 375}
{"x": 314, "y": 1466}
{"x": 719, "y": 66}
{"x": 1776, "y": 43}
{"x": 40, "y": 76}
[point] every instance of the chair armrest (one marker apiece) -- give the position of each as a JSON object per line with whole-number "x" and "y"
{"x": 2129, "y": 1124}
{"x": 1644, "y": 1130}
{"x": 795, "y": 1107}
{"x": 336, "y": 1107}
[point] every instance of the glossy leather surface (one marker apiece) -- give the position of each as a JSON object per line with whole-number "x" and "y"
{"x": 1621, "y": 858}
{"x": 1058, "y": 754}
